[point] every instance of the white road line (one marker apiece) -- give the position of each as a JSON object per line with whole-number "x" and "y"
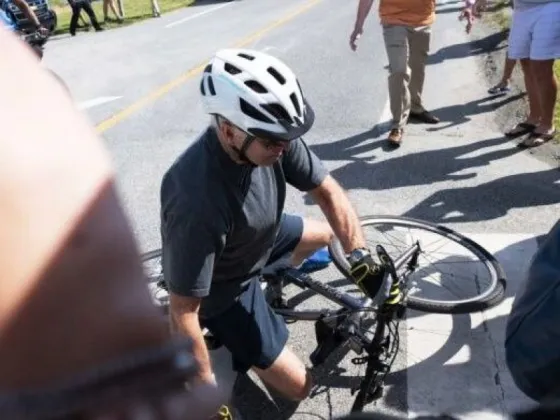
{"x": 97, "y": 101}
{"x": 178, "y": 22}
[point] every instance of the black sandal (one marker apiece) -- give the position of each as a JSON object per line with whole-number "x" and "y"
{"x": 521, "y": 129}
{"x": 535, "y": 139}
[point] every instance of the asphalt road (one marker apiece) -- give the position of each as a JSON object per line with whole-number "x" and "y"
{"x": 139, "y": 86}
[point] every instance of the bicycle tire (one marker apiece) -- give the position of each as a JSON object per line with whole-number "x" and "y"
{"x": 490, "y": 298}
{"x": 150, "y": 255}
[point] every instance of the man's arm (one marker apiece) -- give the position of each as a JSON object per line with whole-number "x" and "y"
{"x": 67, "y": 252}
{"x": 364, "y": 8}
{"x": 192, "y": 241}
{"x": 340, "y": 213}
{"x": 29, "y": 13}
{"x": 184, "y": 320}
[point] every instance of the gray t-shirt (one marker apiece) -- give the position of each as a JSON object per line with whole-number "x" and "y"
{"x": 219, "y": 219}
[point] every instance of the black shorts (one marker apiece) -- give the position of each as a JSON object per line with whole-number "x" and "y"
{"x": 253, "y": 333}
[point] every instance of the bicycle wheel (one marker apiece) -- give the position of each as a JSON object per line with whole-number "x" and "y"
{"x": 153, "y": 270}
{"x": 444, "y": 296}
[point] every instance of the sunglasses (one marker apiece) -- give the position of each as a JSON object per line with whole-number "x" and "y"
{"x": 271, "y": 144}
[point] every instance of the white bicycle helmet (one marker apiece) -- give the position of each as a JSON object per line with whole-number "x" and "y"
{"x": 258, "y": 93}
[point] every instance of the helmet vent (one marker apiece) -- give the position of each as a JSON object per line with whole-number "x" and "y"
{"x": 231, "y": 69}
{"x": 256, "y": 86}
{"x": 278, "y": 111}
{"x": 253, "y": 112}
{"x": 247, "y": 56}
{"x": 274, "y": 73}
{"x": 208, "y": 68}
{"x": 293, "y": 97}
{"x": 202, "y": 90}
{"x": 211, "y": 86}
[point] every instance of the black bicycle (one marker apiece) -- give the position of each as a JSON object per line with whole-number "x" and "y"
{"x": 409, "y": 261}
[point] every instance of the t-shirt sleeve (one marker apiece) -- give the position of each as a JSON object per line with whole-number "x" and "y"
{"x": 190, "y": 247}
{"x": 303, "y": 168}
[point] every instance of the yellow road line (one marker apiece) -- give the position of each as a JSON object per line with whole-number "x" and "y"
{"x": 168, "y": 87}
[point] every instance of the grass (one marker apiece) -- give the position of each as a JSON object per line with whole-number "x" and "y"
{"x": 135, "y": 11}
{"x": 500, "y": 16}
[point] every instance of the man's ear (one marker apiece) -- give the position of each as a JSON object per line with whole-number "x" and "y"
{"x": 228, "y": 131}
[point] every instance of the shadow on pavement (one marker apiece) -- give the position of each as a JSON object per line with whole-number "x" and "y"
{"x": 490, "y": 200}
{"x": 469, "y": 381}
{"x": 440, "y": 381}
{"x": 459, "y": 114}
{"x": 251, "y": 402}
{"x": 484, "y": 45}
{"x": 422, "y": 168}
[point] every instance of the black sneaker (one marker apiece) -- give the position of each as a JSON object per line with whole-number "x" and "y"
{"x": 425, "y": 117}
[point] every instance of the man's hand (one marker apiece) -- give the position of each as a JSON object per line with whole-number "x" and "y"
{"x": 365, "y": 272}
{"x": 43, "y": 31}
{"x": 184, "y": 320}
{"x": 354, "y": 37}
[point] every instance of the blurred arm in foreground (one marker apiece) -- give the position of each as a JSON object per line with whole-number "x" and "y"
{"x": 76, "y": 318}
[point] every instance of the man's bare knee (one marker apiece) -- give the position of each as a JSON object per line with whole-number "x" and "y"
{"x": 306, "y": 390}
{"x": 288, "y": 376}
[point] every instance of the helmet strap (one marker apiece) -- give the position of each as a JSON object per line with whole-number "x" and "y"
{"x": 241, "y": 152}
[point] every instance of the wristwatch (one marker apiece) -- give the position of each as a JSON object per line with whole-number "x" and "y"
{"x": 357, "y": 255}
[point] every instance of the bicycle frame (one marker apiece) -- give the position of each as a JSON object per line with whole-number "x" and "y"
{"x": 347, "y": 301}
{"x": 353, "y": 310}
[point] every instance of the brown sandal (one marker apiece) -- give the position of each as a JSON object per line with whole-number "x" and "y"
{"x": 535, "y": 139}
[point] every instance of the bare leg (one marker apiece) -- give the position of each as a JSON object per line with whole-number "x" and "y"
{"x": 546, "y": 91}
{"x": 114, "y": 10}
{"x": 288, "y": 376}
{"x": 315, "y": 235}
{"x": 502, "y": 85}
{"x": 509, "y": 65}
{"x": 531, "y": 85}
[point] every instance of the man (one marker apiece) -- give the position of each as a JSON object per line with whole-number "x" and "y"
{"x": 532, "y": 343}
{"x": 8, "y": 21}
{"x": 223, "y": 220}
{"x": 79, "y": 334}
{"x": 535, "y": 40}
{"x": 77, "y": 6}
{"x": 406, "y": 32}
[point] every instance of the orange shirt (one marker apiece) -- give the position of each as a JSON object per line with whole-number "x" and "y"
{"x": 407, "y": 12}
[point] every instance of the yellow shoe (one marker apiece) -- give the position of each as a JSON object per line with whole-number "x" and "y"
{"x": 223, "y": 414}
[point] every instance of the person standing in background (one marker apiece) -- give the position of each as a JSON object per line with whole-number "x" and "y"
{"x": 406, "y": 32}
{"x": 77, "y": 6}
{"x": 534, "y": 39}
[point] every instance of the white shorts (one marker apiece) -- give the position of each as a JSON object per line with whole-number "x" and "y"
{"x": 537, "y": 42}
